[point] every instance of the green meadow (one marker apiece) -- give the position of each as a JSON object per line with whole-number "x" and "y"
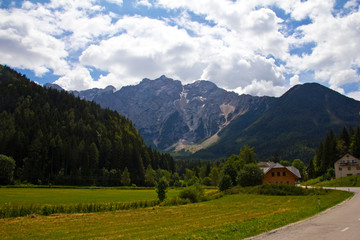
{"x": 29, "y": 196}
{"x": 348, "y": 181}
{"x": 230, "y": 217}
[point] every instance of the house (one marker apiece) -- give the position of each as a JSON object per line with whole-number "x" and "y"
{"x": 278, "y": 174}
{"x": 346, "y": 166}
{"x": 265, "y": 164}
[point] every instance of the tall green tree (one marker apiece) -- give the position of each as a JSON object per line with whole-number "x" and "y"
{"x": 161, "y": 188}
{"x": 248, "y": 154}
{"x": 150, "y": 176}
{"x": 300, "y": 166}
{"x": 125, "y": 178}
{"x": 355, "y": 143}
{"x": 214, "y": 176}
{"x": 7, "y": 166}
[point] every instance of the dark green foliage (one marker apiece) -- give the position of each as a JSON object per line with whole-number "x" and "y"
{"x": 297, "y": 163}
{"x": 57, "y": 138}
{"x": 7, "y": 166}
{"x": 230, "y": 171}
{"x": 250, "y": 175}
{"x": 333, "y": 148}
{"x": 194, "y": 193}
{"x": 292, "y": 125}
{"x": 279, "y": 190}
{"x": 125, "y": 178}
{"x": 161, "y": 188}
{"x": 225, "y": 183}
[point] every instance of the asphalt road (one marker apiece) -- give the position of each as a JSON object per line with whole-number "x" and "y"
{"x": 340, "y": 222}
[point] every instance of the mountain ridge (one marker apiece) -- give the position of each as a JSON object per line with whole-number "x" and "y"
{"x": 211, "y": 122}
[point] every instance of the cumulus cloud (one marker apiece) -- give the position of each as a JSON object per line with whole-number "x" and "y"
{"x": 335, "y": 57}
{"x": 24, "y": 44}
{"x": 262, "y": 88}
{"x": 145, "y": 3}
{"x": 78, "y": 78}
{"x": 246, "y": 46}
{"x": 118, "y": 2}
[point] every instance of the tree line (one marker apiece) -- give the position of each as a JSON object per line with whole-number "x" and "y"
{"x": 332, "y": 149}
{"x": 57, "y": 138}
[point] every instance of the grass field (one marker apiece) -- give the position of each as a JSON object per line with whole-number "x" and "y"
{"x": 23, "y": 196}
{"x": 230, "y": 217}
{"x": 349, "y": 181}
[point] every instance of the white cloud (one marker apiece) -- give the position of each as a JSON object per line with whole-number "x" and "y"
{"x": 335, "y": 56}
{"x": 262, "y": 88}
{"x": 354, "y": 95}
{"x": 24, "y": 44}
{"x": 145, "y": 3}
{"x": 242, "y": 45}
{"x": 118, "y": 2}
{"x": 294, "y": 80}
{"x": 78, "y": 78}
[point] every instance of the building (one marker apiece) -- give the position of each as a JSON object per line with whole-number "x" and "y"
{"x": 278, "y": 174}
{"x": 346, "y": 166}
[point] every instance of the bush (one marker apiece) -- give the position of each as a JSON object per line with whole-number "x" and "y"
{"x": 206, "y": 181}
{"x": 284, "y": 190}
{"x": 161, "y": 188}
{"x": 225, "y": 183}
{"x": 194, "y": 193}
{"x": 251, "y": 175}
{"x": 7, "y": 166}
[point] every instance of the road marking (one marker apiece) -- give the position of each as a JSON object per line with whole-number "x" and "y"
{"x": 345, "y": 229}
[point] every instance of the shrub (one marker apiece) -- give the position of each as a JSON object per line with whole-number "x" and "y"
{"x": 282, "y": 190}
{"x": 194, "y": 193}
{"x": 161, "y": 188}
{"x": 251, "y": 175}
{"x": 225, "y": 183}
{"x": 206, "y": 181}
{"x": 7, "y": 166}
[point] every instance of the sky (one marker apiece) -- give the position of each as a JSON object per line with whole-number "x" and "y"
{"x": 257, "y": 47}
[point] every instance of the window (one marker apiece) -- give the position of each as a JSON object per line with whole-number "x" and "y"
{"x": 357, "y": 167}
{"x": 349, "y": 168}
{"x": 340, "y": 168}
{"x": 273, "y": 174}
{"x": 278, "y": 173}
{"x": 284, "y": 174}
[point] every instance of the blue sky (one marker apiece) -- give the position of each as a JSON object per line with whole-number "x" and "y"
{"x": 258, "y": 47}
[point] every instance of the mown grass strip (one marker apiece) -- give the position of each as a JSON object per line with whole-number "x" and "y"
{"x": 231, "y": 217}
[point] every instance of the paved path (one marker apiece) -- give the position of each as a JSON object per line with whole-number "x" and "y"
{"x": 340, "y": 222}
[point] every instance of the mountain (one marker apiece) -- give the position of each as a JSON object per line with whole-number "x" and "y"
{"x": 172, "y": 116}
{"x": 294, "y": 126}
{"x": 88, "y": 95}
{"x": 55, "y": 137}
{"x": 203, "y": 121}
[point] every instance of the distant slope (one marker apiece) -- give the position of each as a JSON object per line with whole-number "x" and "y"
{"x": 171, "y": 116}
{"x": 56, "y": 137}
{"x": 294, "y": 125}
{"x": 203, "y": 121}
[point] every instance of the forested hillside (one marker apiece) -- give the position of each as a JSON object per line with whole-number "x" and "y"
{"x": 292, "y": 127}
{"x": 55, "y": 137}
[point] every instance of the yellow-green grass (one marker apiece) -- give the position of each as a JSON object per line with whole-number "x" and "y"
{"x": 27, "y": 196}
{"x": 230, "y": 217}
{"x": 348, "y": 181}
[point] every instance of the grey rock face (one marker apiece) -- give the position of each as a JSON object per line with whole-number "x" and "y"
{"x": 168, "y": 114}
{"x": 172, "y": 116}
